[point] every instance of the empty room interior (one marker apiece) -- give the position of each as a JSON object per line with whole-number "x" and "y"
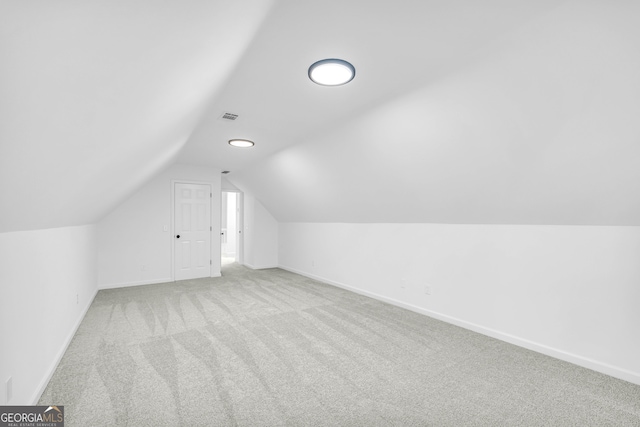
{"x": 280, "y": 212}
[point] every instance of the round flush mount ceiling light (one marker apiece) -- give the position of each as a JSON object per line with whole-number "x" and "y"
{"x": 242, "y": 143}
{"x": 331, "y": 72}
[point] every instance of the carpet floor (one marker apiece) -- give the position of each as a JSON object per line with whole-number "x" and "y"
{"x": 272, "y": 348}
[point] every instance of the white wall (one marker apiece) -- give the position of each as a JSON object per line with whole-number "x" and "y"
{"x": 225, "y": 185}
{"x": 568, "y": 291}
{"x": 47, "y": 282}
{"x": 260, "y": 235}
{"x": 133, "y": 248}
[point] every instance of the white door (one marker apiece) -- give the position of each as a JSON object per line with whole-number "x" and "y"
{"x": 192, "y": 231}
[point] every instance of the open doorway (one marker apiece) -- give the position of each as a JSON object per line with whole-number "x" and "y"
{"x": 230, "y": 228}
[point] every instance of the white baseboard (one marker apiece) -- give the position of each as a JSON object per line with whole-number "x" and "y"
{"x": 585, "y": 362}
{"x": 253, "y": 267}
{"x": 144, "y": 282}
{"x": 138, "y": 283}
{"x": 45, "y": 381}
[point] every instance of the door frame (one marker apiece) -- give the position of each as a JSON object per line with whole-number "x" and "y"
{"x": 212, "y": 236}
{"x": 239, "y": 223}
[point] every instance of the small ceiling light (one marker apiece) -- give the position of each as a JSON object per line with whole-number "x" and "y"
{"x": 242, "y": 143}
{"x": 331, "y": 72}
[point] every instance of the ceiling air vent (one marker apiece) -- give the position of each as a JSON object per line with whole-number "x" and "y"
{"x": 229, "y": 116}
{"x": 225, "y": 172}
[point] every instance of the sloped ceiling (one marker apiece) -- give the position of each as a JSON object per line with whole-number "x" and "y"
{"x": 534, "y": 120}
{"x": 461, "y": 111}
{"x": 98, "y": 96}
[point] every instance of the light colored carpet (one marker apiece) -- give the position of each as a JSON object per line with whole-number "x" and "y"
{"x": 271, "y": 348}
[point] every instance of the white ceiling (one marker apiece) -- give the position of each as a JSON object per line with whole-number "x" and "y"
{"x": 461, "y": 111}
{"x": 507, "y": 115}
{"x": 96, "y": 97}
{"x": 396, "y": 47}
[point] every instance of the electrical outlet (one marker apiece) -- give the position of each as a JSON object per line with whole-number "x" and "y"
{"x": 9, "y": 389}
{"x": 403, "y": 283}
{"x": 165, "y": 228}
{"x": 427, "y": 289}
{"x": 313, "y": 263}
{"x": 77, "y": 299}
{"x": 143, "y": 268}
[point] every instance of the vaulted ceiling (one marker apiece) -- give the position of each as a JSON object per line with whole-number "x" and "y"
{"x": 97, "y": 97}
{"x": 461, "y": 111}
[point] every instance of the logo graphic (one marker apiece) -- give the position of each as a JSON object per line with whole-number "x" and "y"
{"x": 31, "y": 416}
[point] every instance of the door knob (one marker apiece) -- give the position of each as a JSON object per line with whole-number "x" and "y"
{"x": 178, "y": 236}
